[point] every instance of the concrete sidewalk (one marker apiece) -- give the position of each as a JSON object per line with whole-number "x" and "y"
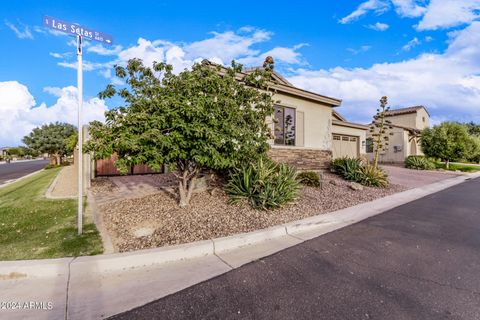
{"x": 100, "y": 286}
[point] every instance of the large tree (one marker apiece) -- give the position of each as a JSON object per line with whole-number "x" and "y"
{"x": 51, "y": 139}
{"x": 448, "y": 141}
{"x": 207, "y": 117}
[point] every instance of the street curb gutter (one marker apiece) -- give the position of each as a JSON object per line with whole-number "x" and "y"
{"x": 303, "y": 229}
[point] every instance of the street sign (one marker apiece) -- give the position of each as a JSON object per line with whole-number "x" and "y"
{"x": 80, "y": 33}
{"x": 75, "y": 29}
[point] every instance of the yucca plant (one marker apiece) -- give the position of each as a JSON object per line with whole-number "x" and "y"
{"x": 347, "y": 167}
{"x": 265, "y": 184}
{"x": 371, "y": 176}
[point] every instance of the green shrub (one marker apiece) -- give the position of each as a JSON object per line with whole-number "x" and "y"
{"x": 347, "y": 167}
{"x": 419, "y": 163}
{"x": 309, "y": 178}
{"x": 52, "y": 166}
{"x": 265, "y": 184}
{"x": 353, "y": 169}
{"x": 372, "y": 177}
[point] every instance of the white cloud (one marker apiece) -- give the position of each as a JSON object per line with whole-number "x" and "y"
{"x": 408, "y": 8}
{"x": 435, "y": 14}
{"x": 21, "y": 34}
{"x": 377, "y": 6}
{"x": 364, "y": 48}
{"x": 446, "y": 14}
{"x": 411, "y": 44}
{"x": 20, "y": 114}
{"x": 378, "y": 26}
{"x": 87, "y": 65}
{"x": 56, "y": 55}
{"x": 227, "y": 46}
{"x": 103, "y": 51}
{"x": 447, "y": 83}
{"x": 221, "y": 48}
{"x": 145, "y": 50}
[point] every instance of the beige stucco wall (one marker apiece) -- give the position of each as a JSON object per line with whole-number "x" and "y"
{"x": 317, "y": 126}
{"x": 412, "y": 120}
{"x": 355, "y": 132}
{"x": 398, "y": 138}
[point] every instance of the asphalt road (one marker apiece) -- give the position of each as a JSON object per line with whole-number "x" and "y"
{"x": 417, "y": 261}
{"x": 15, "y": 170}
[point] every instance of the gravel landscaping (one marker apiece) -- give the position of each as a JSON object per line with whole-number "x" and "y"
{"x": 157, "y": 220}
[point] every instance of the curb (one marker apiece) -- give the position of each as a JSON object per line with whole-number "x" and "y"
{"x": 302, "y": 229}
{"x": 142, "y": 258}
{"x": 20, "y": 179}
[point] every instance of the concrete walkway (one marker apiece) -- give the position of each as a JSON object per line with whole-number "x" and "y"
{"x": 101, "y": 286}
{"x": 65, "y": 184}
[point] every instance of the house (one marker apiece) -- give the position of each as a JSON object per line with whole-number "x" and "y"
{"x": 308, "y": 133}
{"x": 407, "y": 125}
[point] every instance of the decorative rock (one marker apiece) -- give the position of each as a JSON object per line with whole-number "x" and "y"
{"x": 215, "y": 191}
{"x": 201, "y": 184}
{"x": 143, "y": 232}
{"x": 334, "y": 182}
{"x": 355, "y": 186}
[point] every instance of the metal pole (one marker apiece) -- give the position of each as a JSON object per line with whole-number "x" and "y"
{"x": 80, "y": 136}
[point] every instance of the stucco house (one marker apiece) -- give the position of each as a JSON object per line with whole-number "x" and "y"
{"x": 308, "y": 133}
{"x": 407, "y": 125}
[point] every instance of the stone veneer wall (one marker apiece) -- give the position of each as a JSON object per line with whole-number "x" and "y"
{"x": 302, "y": 159}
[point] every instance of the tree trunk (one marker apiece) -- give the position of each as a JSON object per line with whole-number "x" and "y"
{"x": 447, "y": 164}
{"x": 55, "y": 159}
{"x": 186, "y": 185}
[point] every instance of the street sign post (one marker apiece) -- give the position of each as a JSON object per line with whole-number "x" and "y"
{"x": 80, "y": 32}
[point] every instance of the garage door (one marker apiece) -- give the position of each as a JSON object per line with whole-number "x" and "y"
{"x": 345, "y": 146}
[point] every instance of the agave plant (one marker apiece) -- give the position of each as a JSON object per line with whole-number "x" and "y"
{"x": 371, "y": 176}
{"x": 265, "y": 184}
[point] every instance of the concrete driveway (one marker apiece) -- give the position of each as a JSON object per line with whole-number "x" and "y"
{"x": 416, "y": 178}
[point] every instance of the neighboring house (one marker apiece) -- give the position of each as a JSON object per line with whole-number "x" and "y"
{"x": 305, "y": 127}
{"x": 407, "y": 125}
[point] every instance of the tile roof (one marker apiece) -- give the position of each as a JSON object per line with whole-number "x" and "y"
{"x": 395, "y": 112}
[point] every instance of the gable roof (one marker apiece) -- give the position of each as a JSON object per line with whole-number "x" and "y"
{"x": 338, "y": 116}
{"x": 396, "y": 112}
{"x": 280, "y": 84}
{"x": 277, "y": 77}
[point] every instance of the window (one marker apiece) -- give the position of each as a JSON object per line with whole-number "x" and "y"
{"x": 369, "y": 146}
{"x": 284, "y": 127}
{"x": 423, "y": 119}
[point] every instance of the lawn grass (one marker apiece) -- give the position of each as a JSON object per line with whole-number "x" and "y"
{"x": 33, "y": 227}
{"x": 458, "y": 166}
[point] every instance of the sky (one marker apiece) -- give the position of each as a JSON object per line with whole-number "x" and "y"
{"x": 416, "y": 52}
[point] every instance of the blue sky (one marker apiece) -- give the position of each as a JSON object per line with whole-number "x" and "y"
{"x": 415, "y": 52}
